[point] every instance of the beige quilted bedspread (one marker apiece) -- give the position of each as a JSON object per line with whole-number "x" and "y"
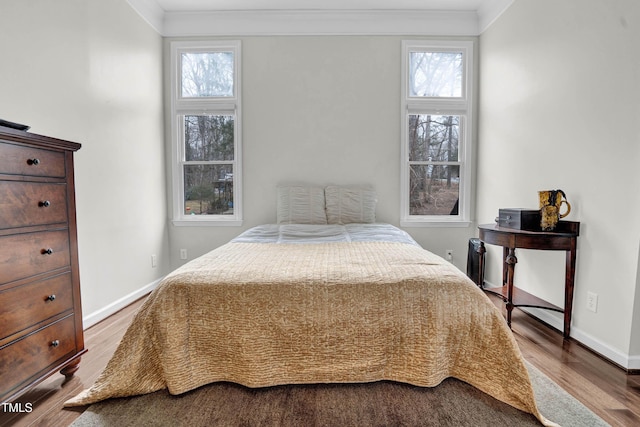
{"x": 266, "y": 314}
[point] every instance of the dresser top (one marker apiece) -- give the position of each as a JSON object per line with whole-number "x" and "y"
{"x": 35, "y": 140}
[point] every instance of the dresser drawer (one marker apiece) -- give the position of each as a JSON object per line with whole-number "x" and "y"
{"x": 27, "y": 305}
{"x": 21, "y": 160}
{"x": 27, "y": 357}
{"x": 32, "y": 203}
{"x": 25, "y": 255}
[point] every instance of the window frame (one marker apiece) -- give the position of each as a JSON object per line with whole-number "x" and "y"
{"x": 206, "y": 105}
{"x": 459, "y": 106}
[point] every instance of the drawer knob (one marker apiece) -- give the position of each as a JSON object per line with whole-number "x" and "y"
{"x": 51, "y": 297}
{"x": 33, "y": 162}
{"x": 44, "y": 204}
{"x": 55, "y": 343}
{"x": 47, "y": 251}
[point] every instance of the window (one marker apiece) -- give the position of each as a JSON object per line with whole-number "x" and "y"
{"x": 436, "y": 133}
{"x": 206, "y": 133}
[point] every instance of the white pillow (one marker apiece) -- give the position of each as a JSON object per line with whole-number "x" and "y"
{"x": 298, "y": 204}
{"x": 350, "y": 204}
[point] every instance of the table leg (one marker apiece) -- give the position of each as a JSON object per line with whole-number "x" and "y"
{"x": 505, "y": 266}
{"x": 568, "y": 288}
{"x": 510, "y": 261}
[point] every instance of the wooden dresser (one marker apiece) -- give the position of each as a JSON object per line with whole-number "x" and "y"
{"x": 40, "y": 312}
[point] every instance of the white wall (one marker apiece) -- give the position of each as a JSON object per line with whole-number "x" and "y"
{"x": 559, "y": 108}
{"x": 319, "y": 110}
{"x": 91, "y": 72}
{"x": 558, "y": 82}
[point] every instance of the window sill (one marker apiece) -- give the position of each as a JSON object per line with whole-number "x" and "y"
{"x": 207, "y": 222}
{"x": 434, "y": 223}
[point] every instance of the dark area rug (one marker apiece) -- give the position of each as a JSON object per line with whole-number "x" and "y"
{"x": 385, "y": 403}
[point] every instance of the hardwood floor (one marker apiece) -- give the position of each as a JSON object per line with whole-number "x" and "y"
{"x": 604, "y": 388}
{"x": 47, "y": 398}
{"x": 601, "y": 386}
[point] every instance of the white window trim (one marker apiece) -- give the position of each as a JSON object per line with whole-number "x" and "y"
{"x": 222, "y": 105}
{"x": 458, "y": 106}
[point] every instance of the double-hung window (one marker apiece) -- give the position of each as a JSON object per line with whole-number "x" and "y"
{"x": 436, "y": 132}
{"x": 206, "y": 125}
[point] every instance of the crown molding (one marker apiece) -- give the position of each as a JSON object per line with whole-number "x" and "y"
{"x": 151, "y": 12}
{"x": 319, "y": 22}
{"x": 490, "y": 11}
{"x": 330, "y": 22}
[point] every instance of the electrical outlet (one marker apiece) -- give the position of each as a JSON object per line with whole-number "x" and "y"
{"x": 183, "y": 254}
{"x": 449, "y": 254}
{"x": 154, "y": 260}
{"x": 592, "y": 302}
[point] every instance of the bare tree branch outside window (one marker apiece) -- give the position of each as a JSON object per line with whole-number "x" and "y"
{"x": 208, "y": 138}
{"x": 433, "y": 164}
{"x": 208, "y": 177}
{"x": 207, "y": 74}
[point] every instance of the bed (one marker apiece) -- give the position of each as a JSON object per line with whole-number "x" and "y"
{"x": 292, "y": 303}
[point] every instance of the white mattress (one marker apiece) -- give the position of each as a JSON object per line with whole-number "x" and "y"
{"x": 313, "y": 233}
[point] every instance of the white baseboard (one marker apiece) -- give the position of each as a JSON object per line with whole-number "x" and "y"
{"x": 626, "y": 361}
{"x": 634, "y": 363}
{"x": 619, "y": 358}
{"x": 99, "y": 315}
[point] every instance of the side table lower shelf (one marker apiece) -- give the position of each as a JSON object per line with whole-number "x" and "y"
{"x": 522, "y": 298}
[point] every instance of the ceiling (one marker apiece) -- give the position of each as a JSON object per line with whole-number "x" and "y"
{"x": 298, "y": 17}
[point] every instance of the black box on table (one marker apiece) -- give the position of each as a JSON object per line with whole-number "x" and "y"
{"x": 519, "y": 219}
